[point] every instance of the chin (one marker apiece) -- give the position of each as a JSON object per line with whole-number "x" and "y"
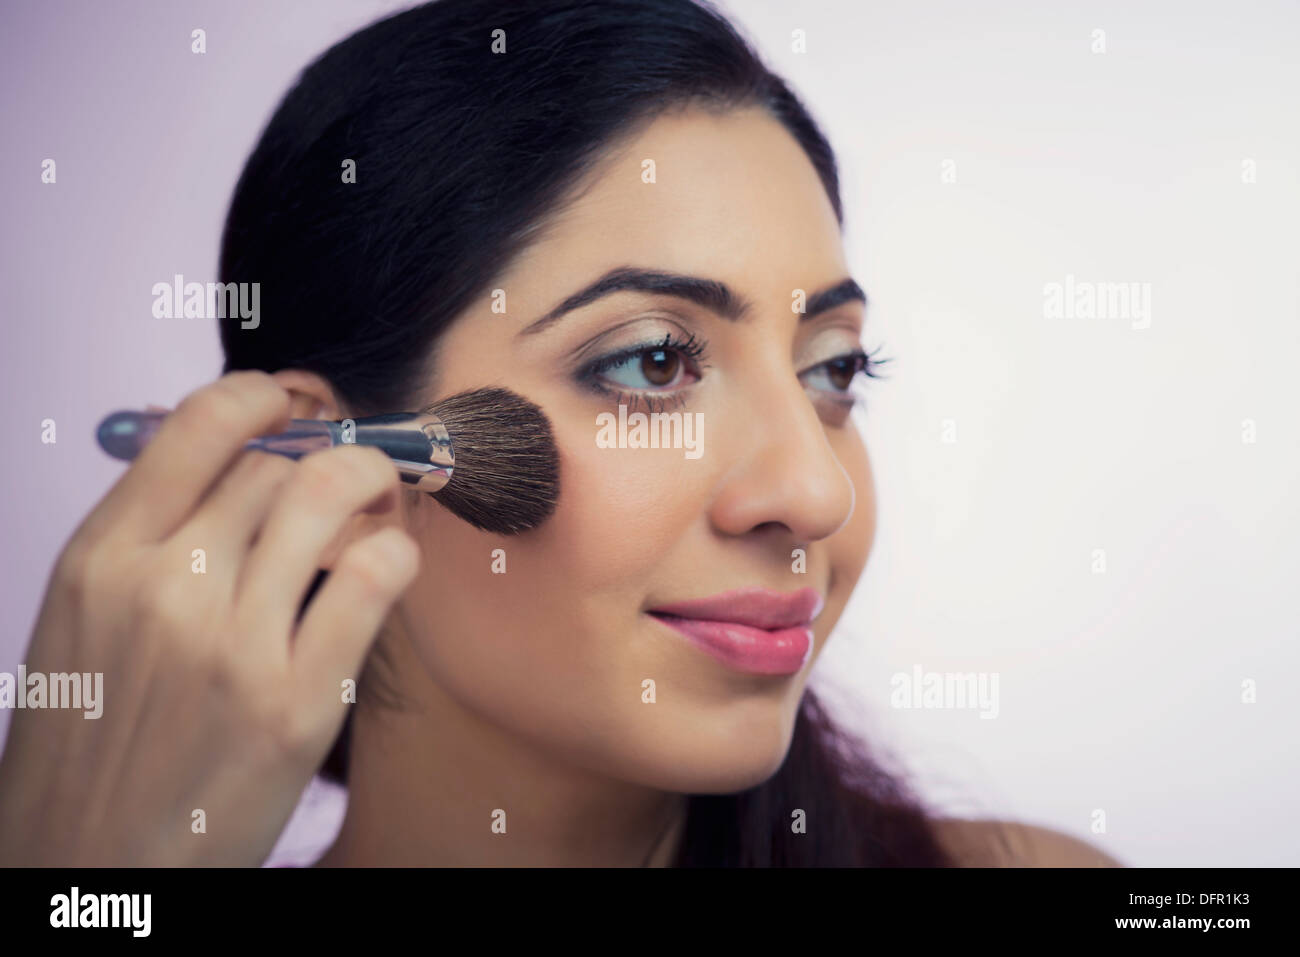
{"x": 718, "y": 753}
{"x": 720, "y": 773}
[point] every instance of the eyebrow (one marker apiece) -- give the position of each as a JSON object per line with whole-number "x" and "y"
{"x": 713, "y": 295}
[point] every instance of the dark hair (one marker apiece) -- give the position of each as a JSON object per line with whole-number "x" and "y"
{"x": 461, "y": 153}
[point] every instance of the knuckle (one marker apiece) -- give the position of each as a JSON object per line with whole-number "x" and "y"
{"x": 346, "y": 474}
{"x": 217, "y": 409}
{"x": 224, "y": 675}
{"x": 323, "y": 478}
{"x": 236, "y": 400}
{"x": 373, "y": 570}
{"x": 264, "y": 468}
{"x": 230, "y": 675}
{"x": 82, "y": 569}
{"x": 293, "y": 735}
{"x": 237, "y": 687}
{"x": 280, "y": 725}
{"x": 73, "y": 565}
{"x": 252, "y": 383}
{"x": 169, "y": 603}
{"x": 260, "y": 389}
{"x": 377, "y": 467}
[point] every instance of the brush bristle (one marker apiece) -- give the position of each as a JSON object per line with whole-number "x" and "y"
{"x": 507, "y": 474}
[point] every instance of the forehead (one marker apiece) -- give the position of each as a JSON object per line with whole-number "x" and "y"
{"x": 731, "y": 196}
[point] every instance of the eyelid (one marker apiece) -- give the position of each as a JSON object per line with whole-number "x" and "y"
{"x": 691, "y": 347}
{"x": 595, "y": 342}
{"x": 839, "y": 348}
{"x": 869, "y": 361}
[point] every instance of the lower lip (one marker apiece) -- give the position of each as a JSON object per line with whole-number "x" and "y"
{"x": 754, "y": 651}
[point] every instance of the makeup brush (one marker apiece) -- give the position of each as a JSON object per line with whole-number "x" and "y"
{"x": 487, "y": 454}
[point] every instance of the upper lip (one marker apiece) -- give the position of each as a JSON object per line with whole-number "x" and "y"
{"x": 753, "y": 606}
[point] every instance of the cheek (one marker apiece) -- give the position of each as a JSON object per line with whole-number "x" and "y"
{"x": 569, "y": 582}
{"x": 623, "y": 511}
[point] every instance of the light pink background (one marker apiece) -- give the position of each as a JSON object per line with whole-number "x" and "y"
{"x": 1119, "y": 692}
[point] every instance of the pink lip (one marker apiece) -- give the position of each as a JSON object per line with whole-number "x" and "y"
{"x": 753, "y": 630}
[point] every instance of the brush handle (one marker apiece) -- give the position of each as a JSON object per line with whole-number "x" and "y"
{"x": 124, "y": 435}
{"x": 417, "y": 443}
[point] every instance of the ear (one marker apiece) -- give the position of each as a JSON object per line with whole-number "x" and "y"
{"x": 310, "y": 395}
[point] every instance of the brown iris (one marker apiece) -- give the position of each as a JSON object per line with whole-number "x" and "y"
{"x": 659, "y": 366}
{"x": 842, "y": 371}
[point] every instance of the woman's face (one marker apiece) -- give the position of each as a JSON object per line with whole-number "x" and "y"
{"x": 550, "y": 638}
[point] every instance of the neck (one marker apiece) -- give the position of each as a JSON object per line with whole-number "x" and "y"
{"x": 439, "y": 787}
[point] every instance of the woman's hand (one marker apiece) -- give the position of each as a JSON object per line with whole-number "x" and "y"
{"x": 217, "y": 707}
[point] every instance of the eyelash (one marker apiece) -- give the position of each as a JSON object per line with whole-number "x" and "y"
{"x": 695, "y": 351}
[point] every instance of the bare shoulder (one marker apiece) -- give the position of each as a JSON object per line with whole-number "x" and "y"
{"x": 990, "y": 843}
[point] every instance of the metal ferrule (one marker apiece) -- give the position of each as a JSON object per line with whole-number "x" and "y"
{"x": 417, "y": 442}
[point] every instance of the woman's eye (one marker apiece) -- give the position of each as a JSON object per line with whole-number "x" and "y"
{"x": 650, "y": 369}
{"x": 836, "y": 375}
{"x": 672, "y": 364}
{"x": 666, "y": 365}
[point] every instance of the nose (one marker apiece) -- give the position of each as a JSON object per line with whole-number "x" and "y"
{"x": 786, "y": 472}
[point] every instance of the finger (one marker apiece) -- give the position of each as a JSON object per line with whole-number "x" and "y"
{"x": 326, "y": 489}
{"x": 227, "y": 520}
{"x": 193, "y": 446}
{"x": 342, "y": 620}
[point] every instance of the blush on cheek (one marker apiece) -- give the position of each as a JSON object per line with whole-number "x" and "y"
{"x": 622, "y": 511}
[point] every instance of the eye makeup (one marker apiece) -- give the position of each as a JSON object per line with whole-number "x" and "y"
{"x": 841, "y": 374}
{"x": 671, "y": 358}
{"x": 676, "y": 361}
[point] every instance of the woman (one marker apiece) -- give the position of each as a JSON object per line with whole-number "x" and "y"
{"x": 595, "y": 205}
